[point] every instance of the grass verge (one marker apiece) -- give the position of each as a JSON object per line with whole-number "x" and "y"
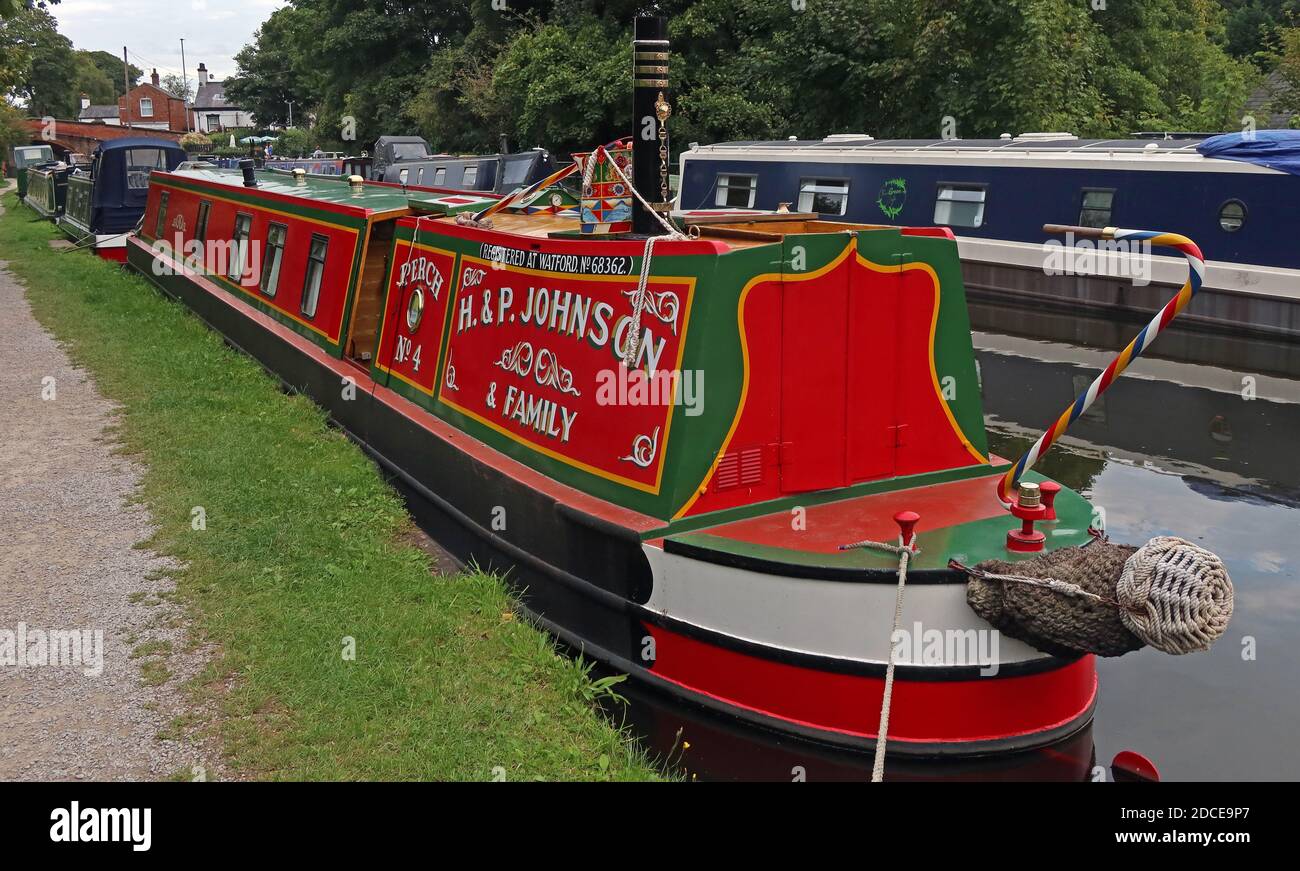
{"x": 302, "y": 559}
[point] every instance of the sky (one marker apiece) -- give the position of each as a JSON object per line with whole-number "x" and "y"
{"x": 213, "y": 30}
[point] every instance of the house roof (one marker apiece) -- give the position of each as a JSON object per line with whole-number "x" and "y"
{"x": 91, "y": 112}
{"x": 212, "y": 95}
{"x": 1258, "y": 103}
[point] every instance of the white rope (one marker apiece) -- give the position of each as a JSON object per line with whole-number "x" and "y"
{"x": 882, "y": 730}
{"x": 1175, "y": 595}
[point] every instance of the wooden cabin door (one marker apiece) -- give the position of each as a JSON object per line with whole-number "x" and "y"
{"x": 371, "y": 284}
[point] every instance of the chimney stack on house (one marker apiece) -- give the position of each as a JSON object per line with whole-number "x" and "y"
{"x": 85, "y": 101}
{"x": 203, "y": 72}
{"x": 154, "y": 78}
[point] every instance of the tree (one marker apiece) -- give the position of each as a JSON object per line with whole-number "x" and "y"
{"x": 35, "y": 64}
{"x": 177, "y": 86}
{"x": 111, "y": 66}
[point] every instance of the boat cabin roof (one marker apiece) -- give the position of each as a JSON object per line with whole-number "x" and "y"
{"x": 367, "y": 199}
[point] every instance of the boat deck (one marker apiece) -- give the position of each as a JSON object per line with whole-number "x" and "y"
{"x": 960, "y": 519}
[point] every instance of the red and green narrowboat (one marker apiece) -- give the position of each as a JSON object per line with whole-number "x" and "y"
{"x": 664, "y": 440}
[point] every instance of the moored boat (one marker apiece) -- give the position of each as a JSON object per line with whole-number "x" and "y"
{"x": 1231, "y": 192}
{"x": 672, "y": 442}
{"x": 47, "y": 188}
{"x": 107, "y": 202}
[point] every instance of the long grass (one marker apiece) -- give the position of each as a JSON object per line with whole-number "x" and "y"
{"x": 306, "y": 556}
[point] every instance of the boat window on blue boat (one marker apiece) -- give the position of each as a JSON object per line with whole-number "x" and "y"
{"x": 419, "y": 176}
{"x": 415, "y": 310}
{"x": 736, "y": 191}
{"x": 146, "y": 107}
{"x": 1232, "y": 215}
{"x": 239, "y": 250}
{"x": 959, "y": 205}
{"x": 275, "y": 234}
{"x": 1096, "y": 208}
{"x": 401, "y": 176}
{"x": 201, "y": 223}
{"x": 161, "y": 224}
{"x": 139, "y": 163}
{"x": 471, "y": 176}
{"x": 315, "y": 271}
{"x": 440, "y": 175}
{"x": 826, "y": 196}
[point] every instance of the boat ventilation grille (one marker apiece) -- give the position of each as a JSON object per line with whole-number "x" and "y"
{"x": 743, "y": 468}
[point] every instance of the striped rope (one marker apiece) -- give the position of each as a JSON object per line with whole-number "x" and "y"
{"x": 1143, "y": 340}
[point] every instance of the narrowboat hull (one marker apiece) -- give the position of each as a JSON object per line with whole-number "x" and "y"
{"x": 796, "y": 651}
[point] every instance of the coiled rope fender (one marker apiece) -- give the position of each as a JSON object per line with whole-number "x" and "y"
{"x": 1175, "y": 595}
{"x": 1107, "y": 599}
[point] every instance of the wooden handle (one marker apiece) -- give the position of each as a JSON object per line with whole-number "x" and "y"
{"x": 1062, "y": 229}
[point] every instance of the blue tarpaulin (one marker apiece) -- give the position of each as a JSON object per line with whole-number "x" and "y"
{"x": 1276, "y": 149}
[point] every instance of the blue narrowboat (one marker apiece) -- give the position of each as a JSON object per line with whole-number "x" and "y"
{"x": 1233, "y": 193}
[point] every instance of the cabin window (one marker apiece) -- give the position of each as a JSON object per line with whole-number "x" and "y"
{"x": 315, "y": 273}
{"x": 959, "y": 206}
{"x": 275, "y": 234}
{"x": 1096, "y": 208}
{"x": 440, "y": 175}
{"x": 161, "y": 224}
{"x": 419, "y": 176}
{"x": 139, "y": 163}
{"x": 401, "y": 176}
{"x": 1232, "y": 216}
{"x": 239, "y": 246}
{"x": 826, "y": 196}
{"x": 201, "y": 223}
{"x": 736, "y": 191}
{"x": 146, "y": 107}
{"x": 471, "y": 176}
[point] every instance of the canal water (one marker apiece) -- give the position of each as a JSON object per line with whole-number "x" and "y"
{"x": 1205, "y": 452}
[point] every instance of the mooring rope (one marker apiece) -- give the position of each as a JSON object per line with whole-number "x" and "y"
{"x": 905, "y": 553}
{"x": 1143, "y": 340}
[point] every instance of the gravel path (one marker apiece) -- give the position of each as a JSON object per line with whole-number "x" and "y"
{"x": 68, "y": 561}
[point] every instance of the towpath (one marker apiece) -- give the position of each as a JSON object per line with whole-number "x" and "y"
{"x": 69, "y": 561}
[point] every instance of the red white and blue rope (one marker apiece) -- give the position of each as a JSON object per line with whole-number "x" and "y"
{"x": 1143, "y": 340}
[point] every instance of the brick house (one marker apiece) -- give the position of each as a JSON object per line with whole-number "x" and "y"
{"x": 150, "y": 107}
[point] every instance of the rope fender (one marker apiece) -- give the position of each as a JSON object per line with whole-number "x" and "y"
{"x": 1107, "y": 599}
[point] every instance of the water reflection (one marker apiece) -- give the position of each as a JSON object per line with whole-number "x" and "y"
{"x": 1206, "y": 453}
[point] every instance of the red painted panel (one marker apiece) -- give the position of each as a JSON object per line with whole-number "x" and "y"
{"x": 922, "y": 711}
{"x": 814, "y": 345}
{"x": 873, "y": 364}
{"x": 412, "y": 355}
{"x": 180, "y": 224}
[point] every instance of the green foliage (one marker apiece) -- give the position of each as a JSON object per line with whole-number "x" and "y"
{"x": 111, "y": 66}
{"x": 294, "y": 142}
{"x": 196, "y": 142}
{"x": 556, "y": 72}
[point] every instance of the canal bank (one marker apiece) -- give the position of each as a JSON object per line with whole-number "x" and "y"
{"x": 339, "y": 654}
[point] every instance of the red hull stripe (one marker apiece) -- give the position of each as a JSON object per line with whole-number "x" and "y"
{"x": 926, "y": 712}
{"x": 115, "y": 254}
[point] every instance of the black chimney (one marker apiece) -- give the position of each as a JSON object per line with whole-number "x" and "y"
{"x": 650, "y": 112}
{"x": 250, "y": 180}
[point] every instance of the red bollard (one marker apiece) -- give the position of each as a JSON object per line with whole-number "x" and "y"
{"x": 1049, "y": 490}
{"x": 906, "y": 521}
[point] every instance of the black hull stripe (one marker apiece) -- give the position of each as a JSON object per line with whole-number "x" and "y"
{"x": 843, "y": 574}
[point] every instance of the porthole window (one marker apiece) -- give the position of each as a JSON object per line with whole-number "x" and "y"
{"x": 1232, "y": 216}
{"x": 414, "y": 310}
